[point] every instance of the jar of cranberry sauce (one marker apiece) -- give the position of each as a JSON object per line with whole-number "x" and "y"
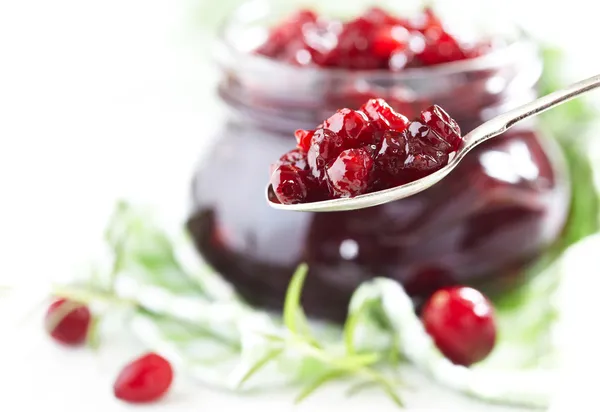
{"x": 499, "y": 210}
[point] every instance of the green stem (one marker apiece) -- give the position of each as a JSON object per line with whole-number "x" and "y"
{"x": 88, "y": 296}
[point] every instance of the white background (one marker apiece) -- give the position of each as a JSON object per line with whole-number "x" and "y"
{"x": 114, "y": 98}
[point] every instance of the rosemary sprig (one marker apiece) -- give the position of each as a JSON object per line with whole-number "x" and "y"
{"x": 299, "y": 340}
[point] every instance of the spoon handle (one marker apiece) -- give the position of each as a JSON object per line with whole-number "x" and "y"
{"x": 506, "y": 120}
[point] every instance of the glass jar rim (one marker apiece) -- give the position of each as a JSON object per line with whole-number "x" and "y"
{"x": 227, "y": 51}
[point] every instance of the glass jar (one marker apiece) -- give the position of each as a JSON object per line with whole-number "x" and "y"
{"x": 502, "y": 207}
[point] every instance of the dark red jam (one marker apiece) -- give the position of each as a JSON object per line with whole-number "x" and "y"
{"x": 373, "y": 40}
{"x": 360, "y": 151}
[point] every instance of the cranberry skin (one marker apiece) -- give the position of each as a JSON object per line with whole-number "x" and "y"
{"x": 294, "y": 157}
{"x": 440, "y": 47}
{"x": 353, "y": 47}
{"x": 462, "y": 324}
{"x": 304, "y": 139}
{"x": 349, "y": 173}
{"x": 353, "y": 126}
{"x": 443, "y": 125}
{"x": 390, "y": 39}
{"x": 383, "y": 116}
{"x": 72, "y": 329}
{"x": 146, "y": 379}
{"x": 289, "y": 184}
{"x": 391, "y": 156}
{"x": 325, "y": 146}
{"x": 284, "y": 34}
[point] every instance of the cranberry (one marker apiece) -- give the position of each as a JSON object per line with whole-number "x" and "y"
{"x": 350, "y": 125}
{"x": 282, "y": 36}
{"x": 461, "y": 322}
{"x": 294, "y": 157}
{"x": 146, "y": 379}
{"x": 390, "y": 158}
{"x": 349, "y": 173}
{"x": 440, "y": 47}
{"x": 68, "y": 321}
{"x": 353, "y": 47}
{"x": 383, "y": 116}
{"x": 422, "y": 160}
{"x": 289, "y": 184}
{"x": 304, "y": 139}
{"x": 390, "y": 39}
{"x": 325, "y": 146}
{"x": 442, "y": 125}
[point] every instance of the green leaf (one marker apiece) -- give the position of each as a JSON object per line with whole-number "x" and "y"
{"x": 318, "y": 382}
{"x": 293, "y": 315}
{"x": 387, "y": 386}
{"x": 264, "y": 361}
{"x": 359, "y": 387}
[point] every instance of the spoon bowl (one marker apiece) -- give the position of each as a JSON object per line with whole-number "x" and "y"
{"x": 486, "y": 131}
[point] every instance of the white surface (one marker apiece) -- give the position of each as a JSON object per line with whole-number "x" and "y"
{"x": 106, "y": 99}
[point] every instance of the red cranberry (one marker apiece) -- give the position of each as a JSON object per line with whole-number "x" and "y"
{"x": 461, "y": 322}
{"x": 326, "y": 145}
{"x": 68, "y": 321}
{"x": 289, "y": 184}
{"x": 350, "y": 125}
{"x": 390, "y": 39}
{"x": 383, "y": 116}
{"x": 440, "y": 47}
{"x": 443, "y": 125}
{"x": 391, "y": 156}
{"x": 352, "y": 49}
{"x": 146, "y": 379}
{"x": 294, "y": 157}
{"x": 349, "y": 173}
{"x": 282, "y": 35}
{"x": 304, "y": 139}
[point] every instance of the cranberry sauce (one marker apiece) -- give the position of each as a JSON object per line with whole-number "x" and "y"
{"x": 500, "y": 208}
{"x": 354, "y": 152}
{"x": 373, "y": 40}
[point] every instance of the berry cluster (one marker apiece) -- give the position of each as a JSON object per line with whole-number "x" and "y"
{"x": 361, "y": 151}
{"x": 374, "y": 40}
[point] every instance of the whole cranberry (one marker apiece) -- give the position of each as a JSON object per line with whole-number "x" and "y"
{"x": 390, "y": 39}
{"x": 443, "y": 125}
{"x": 325, "y": 146}
{"x": 68, "y": 321}
{"x": 294, "y": 157}
{"x": 383, "y": 116}
{"x": 353, "y": 126}
{"x": 390, "y": 158}
{"x": 146, "y": 379}
{"x": 461, "y": 322}
{"x": 289, "y": 184}
{"x": 349, "y": 173}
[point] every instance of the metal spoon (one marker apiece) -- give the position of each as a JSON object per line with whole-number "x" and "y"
{"x": 487, "y": 130}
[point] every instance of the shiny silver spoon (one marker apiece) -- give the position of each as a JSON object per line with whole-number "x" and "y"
{"x": 487, "y": 130}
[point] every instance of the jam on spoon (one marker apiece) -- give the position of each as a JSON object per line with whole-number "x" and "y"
{"x": 361, "y": 151}
{"x": 374, "y": 40}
